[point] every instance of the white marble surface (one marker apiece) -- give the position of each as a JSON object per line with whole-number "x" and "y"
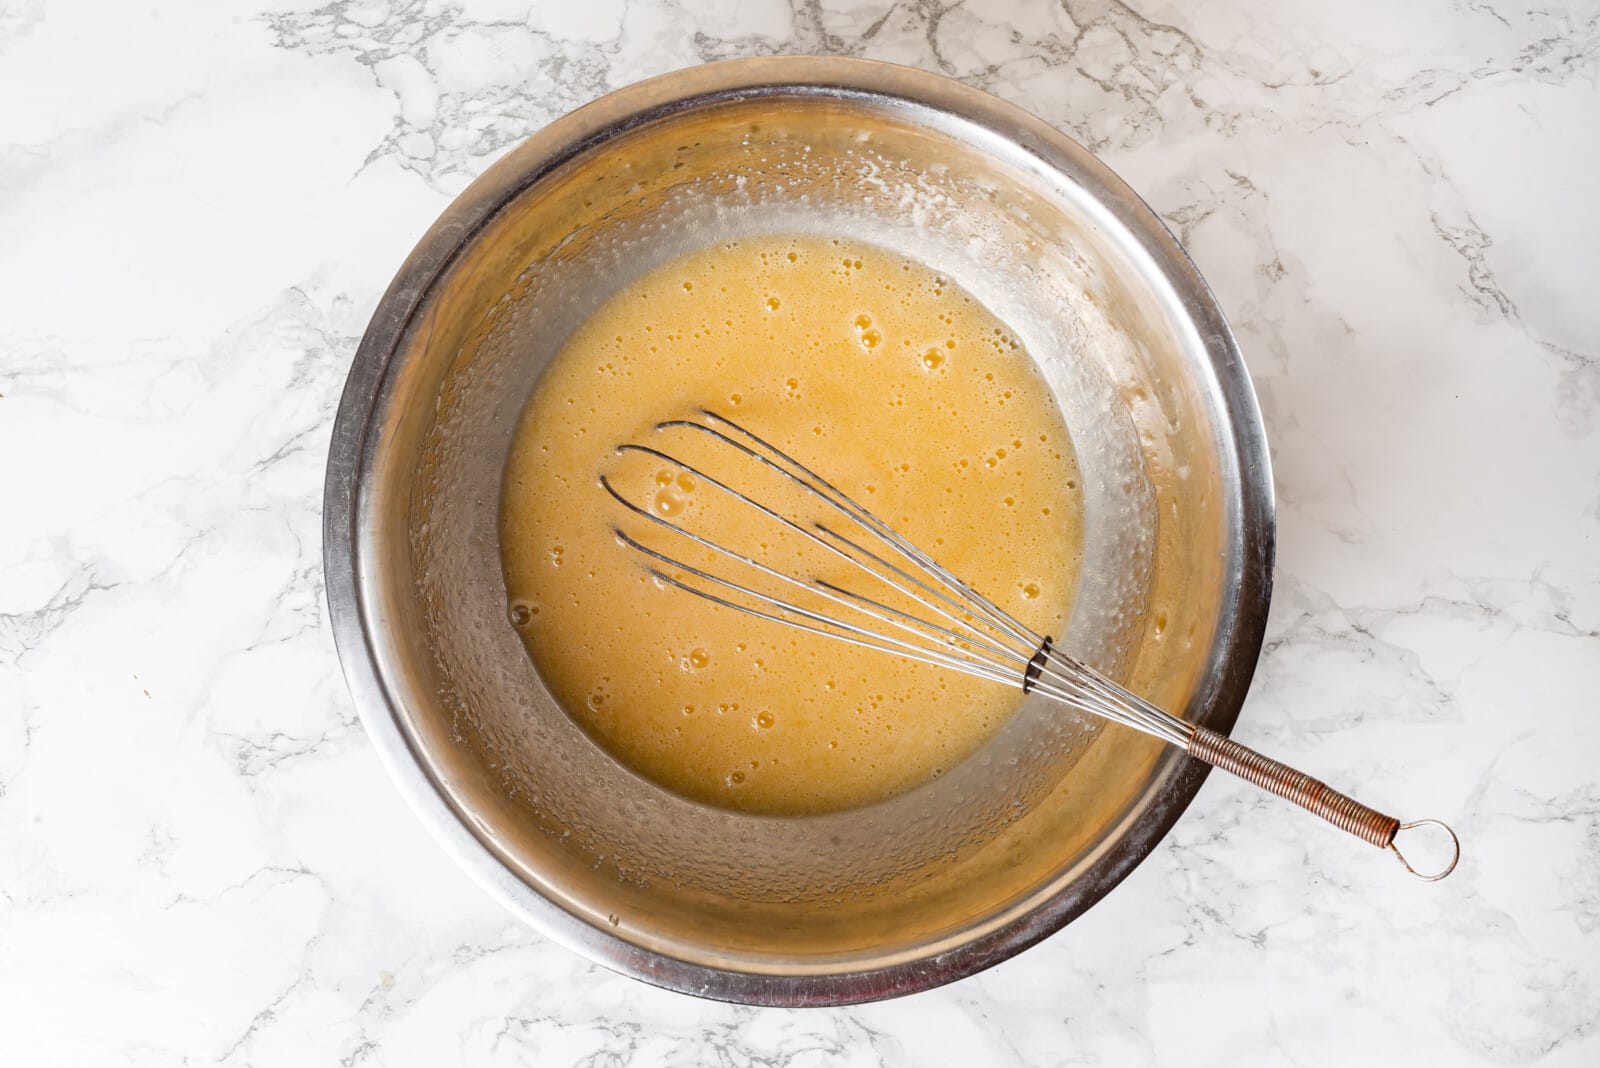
{"x": 200, "y": 202}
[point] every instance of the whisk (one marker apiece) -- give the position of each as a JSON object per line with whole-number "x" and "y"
{"x": 945, "y": 622}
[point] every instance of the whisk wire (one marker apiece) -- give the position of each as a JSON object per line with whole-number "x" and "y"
{"x": 818, "y": 533}
{"x": 990, "y": 643}
{"x": 809, "y": 534}
{"x": 842, "y": 502}
{"x": 838, "y": 595}
{"x": 953, "y": 610}
{"x": 843, "y": 629}
{"x": 1102, "y": 696}
{"x": 830, "y": 628}
{"x": 840, "y": 630}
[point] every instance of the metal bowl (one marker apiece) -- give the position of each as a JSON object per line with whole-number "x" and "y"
{"x": 936, "y": 883}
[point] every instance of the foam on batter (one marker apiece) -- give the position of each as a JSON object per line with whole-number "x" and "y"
{"x": 880, "y": 374}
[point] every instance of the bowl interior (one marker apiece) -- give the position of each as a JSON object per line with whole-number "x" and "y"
{"x": 670, "y": 888}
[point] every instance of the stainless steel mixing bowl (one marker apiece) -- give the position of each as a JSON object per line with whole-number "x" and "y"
{"x": 938, "y": 882}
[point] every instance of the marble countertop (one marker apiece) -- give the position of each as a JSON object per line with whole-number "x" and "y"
{"x": 201, "y": 861}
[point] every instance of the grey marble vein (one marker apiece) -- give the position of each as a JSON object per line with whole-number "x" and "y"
{"x": 203, "y": 862}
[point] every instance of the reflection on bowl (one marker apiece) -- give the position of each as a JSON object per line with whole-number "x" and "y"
{"x": 937, "y": 882}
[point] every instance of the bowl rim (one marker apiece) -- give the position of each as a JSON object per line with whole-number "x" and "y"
{"x": 1241, "y": 624}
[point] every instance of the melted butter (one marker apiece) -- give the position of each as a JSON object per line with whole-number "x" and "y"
{"x": 876, "y": 372}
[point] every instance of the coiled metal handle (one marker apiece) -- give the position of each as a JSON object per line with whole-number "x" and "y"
{"x": 1314, "y": 795}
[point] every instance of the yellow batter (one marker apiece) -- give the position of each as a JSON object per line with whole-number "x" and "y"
{"x": 879, "y": 374}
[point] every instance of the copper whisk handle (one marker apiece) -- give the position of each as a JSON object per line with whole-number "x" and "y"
{"x": 1313, "y": 795}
